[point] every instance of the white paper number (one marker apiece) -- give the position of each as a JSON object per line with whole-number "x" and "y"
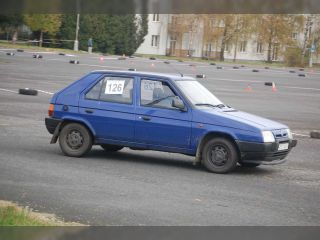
{"x": 114, "y": 87}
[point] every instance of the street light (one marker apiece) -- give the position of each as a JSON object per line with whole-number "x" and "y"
{"x": 76, "y": 42}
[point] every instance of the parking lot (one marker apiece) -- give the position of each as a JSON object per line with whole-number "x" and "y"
{"x": 152, "y": 188}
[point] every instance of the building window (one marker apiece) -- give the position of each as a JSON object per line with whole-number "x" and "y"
{"x": 259, "y": 47}
{"x": 227, "y": 47}
{"x": 174, "y": 20}
{"x": 155, "y": 40}
{"x": 295, "y": 36}
{"x": 155, "y": 17}
{"x": 243, "y": 46}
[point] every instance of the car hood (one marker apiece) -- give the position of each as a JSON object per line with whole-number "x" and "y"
{"x": 236, "y": 119}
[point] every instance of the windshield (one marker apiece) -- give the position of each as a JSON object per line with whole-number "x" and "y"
{"x": 197, "y": 94}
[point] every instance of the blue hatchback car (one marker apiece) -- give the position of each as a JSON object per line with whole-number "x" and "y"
{"x": 169, "y": 113}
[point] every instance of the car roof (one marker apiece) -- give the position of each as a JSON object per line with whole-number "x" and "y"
{"x": 174, "y": 77}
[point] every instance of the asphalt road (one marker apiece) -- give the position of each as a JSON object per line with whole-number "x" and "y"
{"x": 153, "y": 188}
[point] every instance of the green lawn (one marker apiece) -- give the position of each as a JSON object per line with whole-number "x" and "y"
{"x": 14, "y": 215}
{"x": 6, "y": 44}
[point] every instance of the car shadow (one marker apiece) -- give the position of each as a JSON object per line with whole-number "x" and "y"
{"x": 176, "y": 160}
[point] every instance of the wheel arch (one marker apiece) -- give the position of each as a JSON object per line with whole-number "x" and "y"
{"x": 85, "y": 123}
{"x": 211, "y": 135}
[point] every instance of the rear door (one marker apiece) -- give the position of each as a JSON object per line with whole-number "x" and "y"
{"x": 157, "y": 122}
{"x": 108, "y": 106}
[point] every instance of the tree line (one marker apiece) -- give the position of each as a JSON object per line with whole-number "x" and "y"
{"x": 288, "y": 35}
{"x": 114, "y": 34}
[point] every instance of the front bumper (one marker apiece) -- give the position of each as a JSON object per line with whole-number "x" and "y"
{"x": 264, "y": 153}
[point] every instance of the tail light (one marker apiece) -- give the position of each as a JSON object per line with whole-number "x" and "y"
{"x": 50, "y": 111}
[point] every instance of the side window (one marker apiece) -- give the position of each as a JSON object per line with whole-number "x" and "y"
{"x": 112, "y": 89}
{"x": 156, "y": 94}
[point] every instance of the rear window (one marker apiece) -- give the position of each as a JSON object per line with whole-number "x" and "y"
{"x": 112, "y": 89}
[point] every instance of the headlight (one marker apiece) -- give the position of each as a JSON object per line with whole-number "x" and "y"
{"x": 268, "y": 137}
{"x": 289, "y": 133}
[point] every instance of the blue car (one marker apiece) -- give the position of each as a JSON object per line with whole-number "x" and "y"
{"x": 170, "y": 113}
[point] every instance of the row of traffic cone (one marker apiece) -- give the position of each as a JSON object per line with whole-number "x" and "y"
{"x": 249, "y": 88}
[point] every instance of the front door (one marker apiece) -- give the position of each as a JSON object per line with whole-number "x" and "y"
{"x": 158, "y": 124}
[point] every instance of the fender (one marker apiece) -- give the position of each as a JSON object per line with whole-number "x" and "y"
{"x": 207, "y": 136}
{"x": 70, "y": 119}
{"x": 80, "y": 120}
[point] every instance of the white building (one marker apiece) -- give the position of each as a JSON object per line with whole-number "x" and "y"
{"x": 155, "y": 42}
{"x": 162, "y": 40}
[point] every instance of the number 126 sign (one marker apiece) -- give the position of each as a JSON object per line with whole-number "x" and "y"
{"x": 114, "y": 87}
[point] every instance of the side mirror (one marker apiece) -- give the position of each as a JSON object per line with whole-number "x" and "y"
{"x": 178, "y": 103}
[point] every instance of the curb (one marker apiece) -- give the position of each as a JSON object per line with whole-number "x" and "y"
{"x": 200, "y": 76}
{"x": 37, "y": 56}
{"x": 28, "y": 91}
{"x": 74, "y": 62}
{"x": 315, "y": 134}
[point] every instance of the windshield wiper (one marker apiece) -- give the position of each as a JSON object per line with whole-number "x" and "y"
{"x": 211, "y": 105}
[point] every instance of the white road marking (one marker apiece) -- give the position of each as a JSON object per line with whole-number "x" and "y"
{"x": 301, "y": 135}
{"x": 232, "y": 80}
{"x": 103, "y": 66}
{"x": 50, "y": 93}
{"x": 303, "y": 88}
{"x": 7, "y": 90}
{"x": 252, "y": 81}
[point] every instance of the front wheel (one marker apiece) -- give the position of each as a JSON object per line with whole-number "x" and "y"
{"x": 111, "y": 148}
{"x": 219, "y": 155}
{"x": 75, "y": 140}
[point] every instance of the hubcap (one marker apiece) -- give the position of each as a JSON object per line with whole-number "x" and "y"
{"x": 74, "y": 139}
{"x": 219, "y": 156}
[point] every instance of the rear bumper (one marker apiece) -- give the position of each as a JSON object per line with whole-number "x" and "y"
{"x": 51, "y": 124}
{"x": 264, "y": 153}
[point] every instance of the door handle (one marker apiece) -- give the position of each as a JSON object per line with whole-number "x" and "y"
{"x": 88, "y": 111}
{"x": 146, "y": 118}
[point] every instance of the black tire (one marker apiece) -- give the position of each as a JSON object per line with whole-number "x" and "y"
{"x": 111, "y": 148}
{"x": 249, "y": 165}
{"x": 75, "y": 140}
{"x": 28, "y": 91}
{"x": 225, "y": 158}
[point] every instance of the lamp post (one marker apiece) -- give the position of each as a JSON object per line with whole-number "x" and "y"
{"x": 76, "y": 42}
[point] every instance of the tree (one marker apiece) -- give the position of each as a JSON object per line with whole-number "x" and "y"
{"x": 276, "y": 30}
{"x": 43, "y": 23}
{"x": 228, "y": 29}
{"x": 11, "y": 23}
{"x": 120, "y": 34}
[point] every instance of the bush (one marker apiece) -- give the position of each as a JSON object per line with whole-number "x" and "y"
{"x": 292, "y": 57}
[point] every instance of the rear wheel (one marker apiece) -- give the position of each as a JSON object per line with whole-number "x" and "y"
{"x": 111, "y": 148}
{"x": 75, "y": 140}
{"x": 219, "y": 155}
{"x": 249, "y": 165}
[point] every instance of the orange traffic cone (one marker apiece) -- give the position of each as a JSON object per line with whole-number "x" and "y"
{"x": 248, "y": 88}
{"x": 274, "y": 88}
